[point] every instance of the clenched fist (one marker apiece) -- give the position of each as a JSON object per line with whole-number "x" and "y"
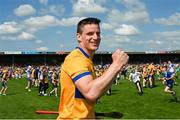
{"x": 120, "y": 58}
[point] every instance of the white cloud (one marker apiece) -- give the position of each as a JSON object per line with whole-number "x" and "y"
{"x": 14, "y": 31}
{"x": 53, "y": 9}
{"x": 135, "y": 12}
{"x": 172, "y": 20}
{"x": 129, "y": 16}
{"x": 25, "y": 36}
{"x": 83, "y": 7}
{"x": 115, "y": 39}
{"x": 135, "y": 5}
{"x": 168, "y": 40}
{"x": 106, "y": 26}
{"x": 61, "y": 46}
{"x": 43, "y": 1}
{"x": 36, "y": 23}
{"x": 113, "y": 42}
{"x": 38, "y": 41}
{"x": 168, "y": 36}
{"x": 58, "y": 32}
{"x": 9, "y": 37}
{"x": 126, "y": 30}
{"x": 8, "y": 28}
{"x": 42, "y": 49}
{"x": 24, "y": 10}
{"x": 69, "y": 21}
{"x": 159, "y": 42}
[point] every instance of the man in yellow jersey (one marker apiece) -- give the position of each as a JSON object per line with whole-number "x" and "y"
{"x": 151, "y": 75}
{"x": 5, "y": 79}
{"x": 80, "y": 89}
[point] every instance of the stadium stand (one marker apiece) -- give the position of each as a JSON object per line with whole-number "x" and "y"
{"x": 56, "y": 58}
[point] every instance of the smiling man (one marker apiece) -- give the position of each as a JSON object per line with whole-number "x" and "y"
{"x": 80, "y": 89}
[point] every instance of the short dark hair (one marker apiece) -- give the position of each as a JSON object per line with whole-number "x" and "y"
{"x": 85, "y": 22}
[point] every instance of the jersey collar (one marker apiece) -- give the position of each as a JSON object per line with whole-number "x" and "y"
{"x": 84, "y": 53}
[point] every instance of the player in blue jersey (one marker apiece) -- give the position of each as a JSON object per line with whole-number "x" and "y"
{"x": 29, "y": 80}
{"x": 171, "y": 68}
{"x": 168, "y": 79}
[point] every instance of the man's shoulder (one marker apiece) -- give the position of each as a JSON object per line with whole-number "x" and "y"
{"x": 74, "y": 55}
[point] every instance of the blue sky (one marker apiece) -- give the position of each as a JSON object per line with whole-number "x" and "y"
{"x": 50, "y": 25}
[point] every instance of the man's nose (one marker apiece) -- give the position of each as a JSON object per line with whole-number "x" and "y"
{"x": 96, "y": 36}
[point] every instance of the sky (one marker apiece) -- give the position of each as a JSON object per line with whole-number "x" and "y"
{"x": 50, "y": 25}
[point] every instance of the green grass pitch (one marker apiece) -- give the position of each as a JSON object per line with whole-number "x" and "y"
{"x": 153, "y": 104}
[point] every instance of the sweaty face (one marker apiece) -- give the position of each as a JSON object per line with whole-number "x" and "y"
{"x": 90, "y": 37}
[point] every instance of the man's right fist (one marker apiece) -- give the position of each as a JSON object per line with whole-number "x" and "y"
{"x": 120, "y": 58}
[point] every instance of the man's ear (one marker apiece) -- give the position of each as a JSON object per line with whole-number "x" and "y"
{"x": 78, "y": 35}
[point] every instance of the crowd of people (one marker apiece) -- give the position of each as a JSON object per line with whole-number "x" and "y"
{"x": 36, "y": 76}
{"x": 146, "y": 75}
{"x": 142, "y": 75}
{"x": 42, "y": 76}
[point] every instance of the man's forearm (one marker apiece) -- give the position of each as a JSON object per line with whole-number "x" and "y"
{"x": 102, "y": 83}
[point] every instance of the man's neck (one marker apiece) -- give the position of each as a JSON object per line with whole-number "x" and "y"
{"x": 88, "y": 52}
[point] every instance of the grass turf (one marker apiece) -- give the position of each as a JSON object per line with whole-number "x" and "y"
{"x": 154, "y": 103}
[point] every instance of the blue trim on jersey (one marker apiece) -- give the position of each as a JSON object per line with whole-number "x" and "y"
{"x": 85, "y": 54}
{"x": 78, "y": 94}
{"x": 80, "y": 76}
